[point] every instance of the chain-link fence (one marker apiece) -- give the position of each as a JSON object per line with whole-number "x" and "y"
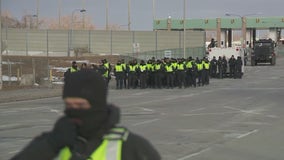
{"x": 74, "y": 42}
{"x": 29, "y": 56}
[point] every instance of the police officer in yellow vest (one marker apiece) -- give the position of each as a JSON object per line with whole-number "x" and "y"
{"x": 107, "y": 65}
{"x": 206, "y": 70}
{"x": 88, "y": 129}
{"x": 181, "y": 73}
{"x": 143, "y": 73}
{"x": 158, "y": 73}
{"x": 72, "y": 69}
{"x": 169, "y": 71}
{"x": 119, "y": 71}
{"x": 200, "y": 72}
{"x": 132, "y": 69}
{"x": 125, "y": 73}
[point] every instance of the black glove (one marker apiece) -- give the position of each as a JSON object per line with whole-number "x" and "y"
{"x": 63, "y": 134}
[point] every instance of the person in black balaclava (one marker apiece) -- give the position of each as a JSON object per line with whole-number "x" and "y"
{"x": 88, "y": 130}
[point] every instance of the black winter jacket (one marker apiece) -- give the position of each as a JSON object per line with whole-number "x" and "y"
{"x": 134, "y": 148}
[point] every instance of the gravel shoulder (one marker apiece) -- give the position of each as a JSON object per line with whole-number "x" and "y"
{"x": 29, "y": 93}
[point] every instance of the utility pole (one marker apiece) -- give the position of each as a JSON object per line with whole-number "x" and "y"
{"x": 37, "y": 13}
{"x": 59, "y": 14}
{"x": 129, "y": 20}
{"x": 184, "y": 30}
{"x": 107, "y": 15}
{"x": 1, "y": 82}
{"x": 154, "y": 10}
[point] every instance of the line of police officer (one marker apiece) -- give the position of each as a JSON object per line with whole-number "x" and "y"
{"x": 166, "y": 72}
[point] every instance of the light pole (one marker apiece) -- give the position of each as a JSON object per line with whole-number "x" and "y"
{"x": 107, "y": 14}
{"x": 184, "y": 29}
{"x": 37, "y": 13}
{"x": 154, "y": 10}
{"x": 71, "y": 35}
{"x": 129, "y": 20}
{"x": 59, "y": 14}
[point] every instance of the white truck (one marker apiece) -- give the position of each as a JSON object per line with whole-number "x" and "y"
{"x": 227, "y": 52}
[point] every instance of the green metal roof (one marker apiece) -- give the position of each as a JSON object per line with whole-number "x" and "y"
{"x": 211, "y": 24}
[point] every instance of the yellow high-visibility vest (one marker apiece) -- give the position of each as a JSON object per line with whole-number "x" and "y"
{"x": 143, "y": 68}
{"x": 110, "y": 148}
{"x": 169, "y": 68}
{"x": 199, "y": 66}
{"x": 73, "y": 70}
{"x": 206, "y": 66}
{"x": 132, "y": 68}
{"x": 189, "y": 64}
{"x": 180, "y": 67}
{"x": 119, "y": 68}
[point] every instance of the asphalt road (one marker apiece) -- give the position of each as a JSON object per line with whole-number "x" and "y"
{"x": 231, "y": 119}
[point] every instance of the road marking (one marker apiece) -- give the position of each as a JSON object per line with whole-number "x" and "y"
{"x": 244, "y": 111}
{"x": 140, "y": 93}
{"x": 56, "y": 111}
{"x": 199, "y": 109}
{"x": 251, "y": 123}
{"x": 208, "y": 131}
{"x": 31, "y": 100}
{"x": 205, "y": 114}
{"x": 246, "y": 134}
{"x": 13, "y": 152}
{"x": 162, "y": 100}
{"x": 146, "y": 109}
{"x": 145, "y": 122}
{"x": 194, "y": 154}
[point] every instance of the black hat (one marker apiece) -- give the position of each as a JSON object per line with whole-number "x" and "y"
{"x": 86, "y": 84}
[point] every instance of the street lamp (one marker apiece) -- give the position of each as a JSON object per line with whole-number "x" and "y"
{"x": 184, "y": 25}
{"x": 71, "y": 35}
{"x": 244, "y": 26}
{"x": 129, "y": 19}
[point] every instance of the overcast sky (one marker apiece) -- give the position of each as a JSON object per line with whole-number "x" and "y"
{"x": 142, "y": 10}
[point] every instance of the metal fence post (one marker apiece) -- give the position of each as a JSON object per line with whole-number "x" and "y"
{"x": 47, "y": 44}
{"x": 89, "y": 48}
{"x": 27, "y": 45}
{"x": 111, "y": 42}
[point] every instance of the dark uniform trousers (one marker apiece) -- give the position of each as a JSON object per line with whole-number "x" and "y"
{"x": 143, "y": 79}
{"x": 119, "y": 76}
{"x": 170, "y": 79}
{"x": 132, "y": 79}
{"x": 181, "y": 78}
{"x": 158, "y": 79}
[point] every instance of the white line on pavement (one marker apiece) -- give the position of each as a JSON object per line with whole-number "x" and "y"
{"x": 194, "y": 154}
{"x": 246, "y": 134}
{"x": 205, "y": 114}
{"x": 145, "y": 122}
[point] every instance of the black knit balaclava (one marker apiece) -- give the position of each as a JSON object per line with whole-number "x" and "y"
{"x": 91, "y": 86}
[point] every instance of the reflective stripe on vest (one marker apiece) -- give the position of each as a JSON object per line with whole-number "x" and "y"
{"x": 110, "y": 149}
